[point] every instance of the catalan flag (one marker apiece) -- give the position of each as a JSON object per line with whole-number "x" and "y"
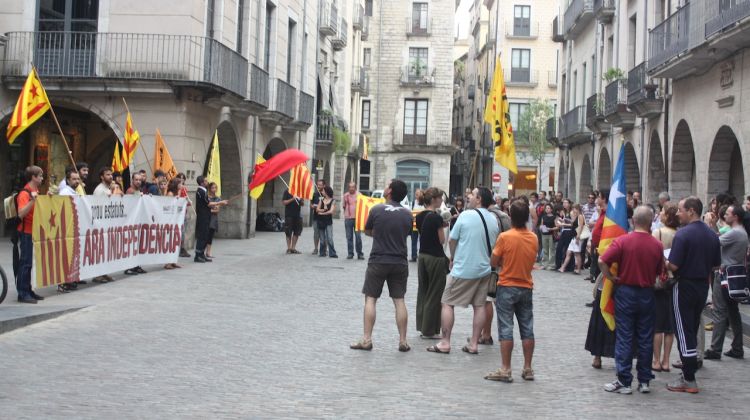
{"x": 365, "y": 147}
{"x": 131, "y": 142}
{"x": 32, "y": 104}
{"x": 117, "y": 165}
{"x": 258, "y": 191}
{"x": 497, "y": 115}
{"x": 615, "y": 224}
{"x": 364, "y": 204}
{"x": 300, "y": 182}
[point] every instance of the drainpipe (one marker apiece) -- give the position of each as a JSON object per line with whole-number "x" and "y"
{"x": 643, "y": 121}
{"x": 667, "y": 99}
{"x": 374, "y": 162}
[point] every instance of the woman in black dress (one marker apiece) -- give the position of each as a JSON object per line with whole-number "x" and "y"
{"x": 600, "y": 340}
{"x": 457, "y": 210}
{"x": 565, "y": 224}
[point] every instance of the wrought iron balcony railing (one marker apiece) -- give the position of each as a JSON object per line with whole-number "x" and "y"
{"x": 521, "y": 29}
{"x": 728, "y": 13}
{"x": 359, "y": 18}
{"x": 669, "y": 38}
{"x": 417, "y": 75}
{"x": 360, "y": 80}
{"x": 103, "y": 55}
{"x": 573, "y": 124}
{"x": 324, "y": 129}
{"x": 328, "y": 18}
{"x": 418, "y": 27}
{"x": 306, "y": 110}
{"x": 551, "y": 130}
{"x": 522, "y": 77}
{"x": 615, "y": 95}
{"x": 339, "y": 41}
{"x": 283, "y": 98}
{"x": 258, "y": 86}
{"x": 578, "y": 13}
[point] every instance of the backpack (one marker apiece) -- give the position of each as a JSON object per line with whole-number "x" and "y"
{"x": 10, "y": 209}
{"x": 734, "y": 278}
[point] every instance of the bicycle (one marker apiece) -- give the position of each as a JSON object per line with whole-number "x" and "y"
{"x": 4, "y": 290}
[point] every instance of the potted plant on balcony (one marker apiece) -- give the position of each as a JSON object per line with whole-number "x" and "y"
{"x": 614, "y": 74}
{"x": 342, "y": 141}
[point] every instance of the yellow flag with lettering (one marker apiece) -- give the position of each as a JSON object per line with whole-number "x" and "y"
{"x": 162, "y": 158}
{"x": 214, "y": 165}
{"x": 497, "y": 115}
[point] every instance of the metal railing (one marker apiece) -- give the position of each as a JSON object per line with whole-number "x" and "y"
{"x": 366, "y": 29}
{"x": 575, "y": 9}
{"x": 421, "y": 75}
{"x": 360, "y": 80}
{"x": 283, "y": 98}
{"x": 557, "y": 30}
{"x": 333, "y": 17}
{"x": 573, "y": 122}
{"x": 552, "y": 78}
{"x": 594, "y": 108}
{"x": 324, "y": 129}
{"x": 522, "y": 76}
{"x": 727, "y": 13}
{"x": 327, "y": 18}
{"x": 551, "y": 130}
{"x": 521, "y": 31}
{"x": 669, "y": 38}
{"x": 339, "y": 41}
{"x": 417, "y": 27}
{"x": 615, "y": 94}
{"x": 258, "y": 85}
{"x": 637, "y": 82}
{"x": 186, "y": 58}
{"x": 604, "y": 6}
{"x": 429, "y": 137}
{"x": 359, "y": 18}
{"x": 306, "y": 109}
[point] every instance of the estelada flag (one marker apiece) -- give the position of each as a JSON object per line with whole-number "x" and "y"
{"x": 32, "y": 104}
{"x": 258, "y": 191}
{"x": 117, "y": 159}
{"x": 162, "y": 158}
{"x": 131, "y": 142}
{"x": 497, "y": 115}
{"x": 364, "y": 204}
{"x": 615, "y": 225}
{"x": 300, "y": 182}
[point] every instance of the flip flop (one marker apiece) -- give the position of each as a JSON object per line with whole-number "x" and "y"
{"x": 466, "y": 349}
{"x": 403, "y": 347}
{"x": 653, "y": 369}
{"x": 436, "y": 349}
{"x": 360, "y": 345}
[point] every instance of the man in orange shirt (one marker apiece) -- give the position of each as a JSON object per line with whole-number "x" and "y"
{"x": 25, "y": 204}
{"x": 515, "y": 254}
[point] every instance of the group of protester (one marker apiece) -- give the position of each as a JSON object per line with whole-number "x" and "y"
{"x": 207, "y": 207}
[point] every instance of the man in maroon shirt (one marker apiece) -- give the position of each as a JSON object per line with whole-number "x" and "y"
{"x": 640, "y": 259}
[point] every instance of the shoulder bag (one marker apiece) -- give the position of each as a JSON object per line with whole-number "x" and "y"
{"x": 492, "y": 287}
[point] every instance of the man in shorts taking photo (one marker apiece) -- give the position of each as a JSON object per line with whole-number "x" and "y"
{"x": 388, "y": 224}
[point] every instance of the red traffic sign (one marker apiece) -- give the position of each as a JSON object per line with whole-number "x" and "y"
{"x": 496, "y": 177}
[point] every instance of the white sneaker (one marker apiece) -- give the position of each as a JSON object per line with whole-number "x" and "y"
{"x": 643, "y": 388}
{"x": 618, "y": 387}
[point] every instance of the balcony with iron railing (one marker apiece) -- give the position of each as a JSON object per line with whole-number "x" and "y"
{"x": 595, "y": 120}
{"x": 521, "y": 29}
{"x": 557, "y": 30}
{"x": 604, "y": 10}
{"x": 552, "y": 78}
{"x": 418, "y": 27}
{"x": 126, "y": 57}
{"x": 643, "y": 93}
{"x": 616, "y": 109}
{"x": 522, "y": 77}
{"x": 573, "y": 128}
{"x": 338, "y": 42}
{"x": 422, "y": 139}
{"x": 359, "y": 18}
{"x": 258, "y": 96}
{"x": 328, "y": 18}
{"x": 360, "y": 81}
{"x": 551, "y": 131}
{"x": 365, "y": 29}
{"x": 282, "y": 103}
{"x": 324, "y": 130}
{"x": 577, "y": 16}
{"x": 305, "y": 112}
{"x": 725, "y": 14}
{"x": 417, "y": 76}
{"x": 669, "y": 38}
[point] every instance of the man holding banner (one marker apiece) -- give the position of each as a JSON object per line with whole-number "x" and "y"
{"x": 25, "y": 201}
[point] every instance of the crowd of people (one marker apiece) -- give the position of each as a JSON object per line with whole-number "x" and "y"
{"x": 207, "y": 206}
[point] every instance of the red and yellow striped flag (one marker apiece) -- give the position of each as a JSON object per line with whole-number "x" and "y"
{"x": 117, "y": 165}
{"x": 32, "y": 104}
{"x": 364, "y": 204}
{"x": 300, "y": 182}
{"x": 131, "y": 142}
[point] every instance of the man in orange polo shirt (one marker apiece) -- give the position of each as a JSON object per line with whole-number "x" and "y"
{"x": 515, "y": 254}
{"x": 25, "y": 201}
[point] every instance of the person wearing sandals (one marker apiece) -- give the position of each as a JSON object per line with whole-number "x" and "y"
{"x": 389, "y": 225}
{"x": 292, "y": 220}
{"x": 664, "y": 316}
{"x": 548, "y": 228}
{"x": 515, "y": 254}
{"x": 325, "y": 210}
{"x": 574, "y": 247}
{"x": 640, "y": 260}
{"x": 432, "y": 265}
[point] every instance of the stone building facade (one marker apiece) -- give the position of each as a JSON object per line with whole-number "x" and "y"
{"x": 242, "y": 68}
{"x": 667, "y": 83}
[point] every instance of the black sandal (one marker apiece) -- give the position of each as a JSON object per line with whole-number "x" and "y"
{"x": 139, "y": 270}
{"x": 131, "y": 272}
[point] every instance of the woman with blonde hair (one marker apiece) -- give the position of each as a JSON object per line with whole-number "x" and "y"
{"x": 432, "y": 265}
{"x": 664, "y": 314}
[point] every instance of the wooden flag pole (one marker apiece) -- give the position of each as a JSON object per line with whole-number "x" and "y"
{"x": 140, "y": 143}
{"x": 287, "y": 187}
{"x": 57, "y": 123}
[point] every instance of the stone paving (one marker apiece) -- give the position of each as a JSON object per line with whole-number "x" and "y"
{"x": 261, "y": 334}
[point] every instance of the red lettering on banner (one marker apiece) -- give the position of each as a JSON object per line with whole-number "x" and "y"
{"x": 94, "y": 246}
{"x": 143, "y": 240}
{"x": 176, "y": 238}
{"x": 87, "y": 249}
{"x": 151, "y": 239}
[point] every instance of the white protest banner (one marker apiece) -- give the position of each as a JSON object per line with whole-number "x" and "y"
{"x": 83, "y": 237}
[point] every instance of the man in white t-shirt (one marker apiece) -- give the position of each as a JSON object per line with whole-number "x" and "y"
{"x": 105, "y": 178}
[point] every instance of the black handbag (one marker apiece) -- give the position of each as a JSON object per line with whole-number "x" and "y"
{"x": 492, "y": 288}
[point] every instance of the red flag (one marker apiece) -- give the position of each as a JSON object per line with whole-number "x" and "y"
{"x": 275, "y": 166}
{"x": 300, "y": 182}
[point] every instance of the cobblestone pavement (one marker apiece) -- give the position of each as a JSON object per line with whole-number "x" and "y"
{"x": 261, "y": 334}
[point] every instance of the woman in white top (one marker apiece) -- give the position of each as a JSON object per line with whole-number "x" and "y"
{"x": 574, "y": 248}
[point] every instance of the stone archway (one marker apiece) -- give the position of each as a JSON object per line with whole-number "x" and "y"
{"x": 604, "y": 172}
{"x": 270, "y": 200}
{"x": 562, "y": 179}
{"x": 586, "y": 186}
{"x": 725, "y": 170}
{"x": 682, "y": 176}
{"x": 572, "y": 190}
{"x": 657, "y": 180}
{"x": 231, "y": 182}
{"x": 632, "y": 171}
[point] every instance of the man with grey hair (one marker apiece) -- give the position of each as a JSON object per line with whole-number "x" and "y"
{"x": 640, "y": 259}
{"x": 663, "y": 201}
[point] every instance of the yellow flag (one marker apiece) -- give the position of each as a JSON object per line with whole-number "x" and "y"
{"x": 131, "y": 142}
{"x": 32, "y": 104}
{"x": 497, "y": 115}
{"x": 364, "y": 204}
{"x": 162, "y": 158}
{"x": 214, "y": 165}
{"x": 258, "y": 191}
{"x": 117, "y": 160}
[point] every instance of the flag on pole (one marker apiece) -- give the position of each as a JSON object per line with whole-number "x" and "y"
{"x": 615, "y": 225}
{"x": 214, "y": 165}
{"x": 131, "y": 142}
{"x": 32, "y": 104}
{"x": 365, "y": 152}
{"x": 162, "y": 159}
{"x": 117, "y": 165}
{"x": 364, "y": 204}
{"x": 258, "y": 191}
{"x": 300, "y": 182}
{"x": 276, "y": 165}
{"x": 497, "y": 115}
